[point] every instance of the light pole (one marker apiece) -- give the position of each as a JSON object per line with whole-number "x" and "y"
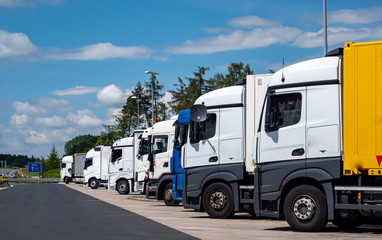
{"x": 152, "y": 93}
{"x": 325, "y": 29}
{"x": 136, "y": 97}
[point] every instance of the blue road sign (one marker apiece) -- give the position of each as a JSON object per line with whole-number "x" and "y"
{"x": 34, "y": 167}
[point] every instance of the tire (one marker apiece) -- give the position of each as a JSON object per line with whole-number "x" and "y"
{"x": 168, "y": 196}
{"x": 93, "y": 183}
{"x": 66, "y": 180}
{"x": 305, "y": 209}
{"x": 218, "y": 201}
{"x": 123, "y": 187}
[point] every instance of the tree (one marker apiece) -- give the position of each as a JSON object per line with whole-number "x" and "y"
{"x": 154, "y": 91}
{"x": 53, "y": 161}
{"x": 186, "y": 95}
{"x": 236, "y": 72}
{"x": 80, "y": 144}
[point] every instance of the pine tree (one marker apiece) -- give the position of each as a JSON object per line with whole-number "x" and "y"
{"x": 154, "y": 91}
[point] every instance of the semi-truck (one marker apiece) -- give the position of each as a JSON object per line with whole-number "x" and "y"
{"x": 217, "y": 158}
{"x": 317, "y": 150}
{"x": 159, "y": 183}
{"x": 72, "y": 168}
{"x": 181, "y": 129}
{"x": 122, "y": 163}
{"x": 96, "y": 166}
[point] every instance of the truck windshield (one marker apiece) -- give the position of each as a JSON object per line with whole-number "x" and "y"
{"x": 63, "y": 165}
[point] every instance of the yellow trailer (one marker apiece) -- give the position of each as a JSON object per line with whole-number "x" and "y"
{"x": 362, "y": 108}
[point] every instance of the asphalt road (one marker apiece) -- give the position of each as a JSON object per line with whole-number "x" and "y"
{"x": 54, "y": 211}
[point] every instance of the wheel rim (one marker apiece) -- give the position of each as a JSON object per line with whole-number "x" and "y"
{"x": 122, "y": 187}
{"x": 168, "y": 195}
{"x": 93, "y": 184}
{"x": 218, "y": 200}
{"x": 304, "y": 208}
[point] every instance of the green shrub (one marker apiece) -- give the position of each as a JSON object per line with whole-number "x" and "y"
{"x": 54, "y": 173}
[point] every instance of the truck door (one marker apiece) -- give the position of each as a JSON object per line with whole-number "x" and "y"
{"x": 141, "y": 160}
{"x": 116, "y": 161}
{"x": 282, "y": 135}
{"x": 203, "y": 146}
{"x": 161, "y": 154}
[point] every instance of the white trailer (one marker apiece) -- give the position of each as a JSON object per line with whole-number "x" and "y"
{"x": 96, "y": 166}
{"x": 72, "y": 168}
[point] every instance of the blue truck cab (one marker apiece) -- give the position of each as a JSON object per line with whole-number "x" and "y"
{"x": 181, "y": 129}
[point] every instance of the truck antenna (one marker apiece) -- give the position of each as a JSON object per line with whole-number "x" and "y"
{"x": 282, "y": 75}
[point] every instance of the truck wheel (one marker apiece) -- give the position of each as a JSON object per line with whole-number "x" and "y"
{"x": 93, "y": 183}
{"x": 305, "y": 209}
{"x": 123, "y": 187}
{"x": 168, "y": 196}
{"x": 66, "y": 180}
{"x": 218, "y": 201}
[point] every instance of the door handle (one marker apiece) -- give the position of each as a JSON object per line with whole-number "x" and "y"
{"x": 298, "y": 152}
{"x": 120, "y": 169}
{"x": 213, "y": 159}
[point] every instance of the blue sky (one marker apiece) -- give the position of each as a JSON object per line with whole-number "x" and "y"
{"x": 66, "y": 66}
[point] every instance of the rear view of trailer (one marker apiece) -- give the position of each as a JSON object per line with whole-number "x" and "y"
{"x": 362, "y": 108}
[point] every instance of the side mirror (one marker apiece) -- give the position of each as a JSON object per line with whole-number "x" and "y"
{"x": 198, "y": 113}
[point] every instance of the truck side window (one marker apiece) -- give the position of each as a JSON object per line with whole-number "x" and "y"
{"x": 203, "y": 130}
{"x": 116, "y": 155}
{"x": 159, "y": 144}
{"x": 88, "y": 162}
{"x": 283, "y": 110}
{"x": 182, "y": 138}
{"x": 143, "y": 147}
{"x": 63, "y": 165}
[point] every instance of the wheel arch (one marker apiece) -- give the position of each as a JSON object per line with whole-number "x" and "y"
{"x": 223, "y": 177}
{"x": 317, "y": 178}
{"x": 166, "y": 179}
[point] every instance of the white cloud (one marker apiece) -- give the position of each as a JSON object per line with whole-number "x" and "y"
{"x": 112, "y": 96}
{"x": 215, "y": 30}
{"x": 27, "y": 108}
{"x": 56, "y": 105}
{"x": 51, "y": 122}
{"x": 27, "y": 3}
{"x": 15, "y": 3}
{"x": 37, "y": 138}
{"x": 337, "y": 36}
{"x": 238, "y": 40}
{"x": 84, "y": 118}
{"x": 356, "y": 16}
{"x": 110, "y": 116}
{"x": 251, "y": 21}
{"x": 77, "y": 90}
{"x": 15, "y": 44}
{"x": 103, "y": 51}
{"x": 18, "y": 120}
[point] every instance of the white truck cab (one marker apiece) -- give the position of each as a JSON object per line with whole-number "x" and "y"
{"x": 96, "y": 166}
{"x": 160, "y": 176}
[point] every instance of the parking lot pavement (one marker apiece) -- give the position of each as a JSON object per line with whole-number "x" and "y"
{"x": 241, "y": 226}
